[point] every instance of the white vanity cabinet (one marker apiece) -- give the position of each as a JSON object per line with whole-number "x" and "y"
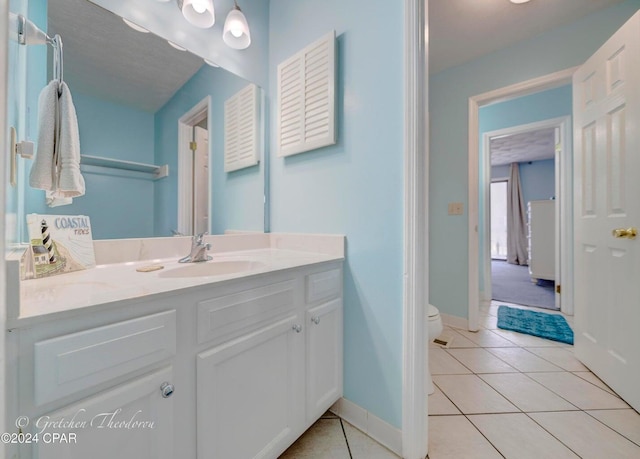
{"x": 235, "y": 369}
{"x": 262, "y": 389}
{"x": 133, "y": 420}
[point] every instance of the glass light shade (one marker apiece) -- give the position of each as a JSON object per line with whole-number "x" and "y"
{"x": 199, "y": 13}
{"x": 236, "y": 30}
{"x": 518, "y": 1}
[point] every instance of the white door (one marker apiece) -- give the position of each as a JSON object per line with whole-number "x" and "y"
{"x": 250, "y": 393}
{"x": 324, "y": 357}
{"x": 201, "y": 181}
{"x": 606, "y": 98}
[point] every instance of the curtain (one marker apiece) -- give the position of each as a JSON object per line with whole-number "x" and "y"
{"x": 516, "y": 220}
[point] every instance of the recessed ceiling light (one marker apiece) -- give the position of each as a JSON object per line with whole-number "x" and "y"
{"x": 211, "y": 63}
{"x": 135, "y": 26}
{"x": 178, "y": 47}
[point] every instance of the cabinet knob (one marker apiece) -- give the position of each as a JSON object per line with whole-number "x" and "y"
{"x": 315, "y": 320}
{"x": 166, "y": 389}
{"x": 297, "y": 328}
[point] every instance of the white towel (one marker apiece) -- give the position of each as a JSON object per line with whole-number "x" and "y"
{"x": 43, "y": 171}
{"x": 57, "y": 165}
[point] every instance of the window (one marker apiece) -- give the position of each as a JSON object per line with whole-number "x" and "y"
{"x": 499, "y": 220}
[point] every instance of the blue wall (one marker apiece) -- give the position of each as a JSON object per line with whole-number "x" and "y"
{"x": 449, "y": 93}
{"x": 538, "y": 180}
{"x": 237, "y": 199}
{"x": 116, "y": 131}
{"x": 355, "y": 187}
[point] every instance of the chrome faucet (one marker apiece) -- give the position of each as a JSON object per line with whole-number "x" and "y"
{"x": 198, "y": 250}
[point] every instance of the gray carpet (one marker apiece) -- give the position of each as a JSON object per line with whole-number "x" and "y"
{"x": 512, "y": 284}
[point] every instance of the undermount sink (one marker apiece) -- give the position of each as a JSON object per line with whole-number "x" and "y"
{"x": 212, "y": 268}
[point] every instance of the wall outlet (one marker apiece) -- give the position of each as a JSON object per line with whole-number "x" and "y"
{"x": 456, "y": 208}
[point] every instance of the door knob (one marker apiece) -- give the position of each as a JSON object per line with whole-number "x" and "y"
{"x": 297, "y": 328}
{"x": 622, "y": 233}
{"x": 167, "y": 389}
{"x": 315, "y": 320}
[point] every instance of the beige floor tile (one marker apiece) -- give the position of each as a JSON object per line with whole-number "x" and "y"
{"x": 439, "y": 404}
{"x": 516, "y": 436}
{"x": 486, "y": 338}
{"x": 460, "y": 341}
{"x": 577, "y": 391}
{"x": 560, "y": 357}
{"x": 525, "y": 393}
{"x": 523, "y": 360}
{"x": 593, "y": 379}
{"x": 480, "y": 360}
{"x": 488, "y": 322}
{"x": 522, "y": 339}
{"x": 586, "y": 436}
{"x": 323, "y": 440}
{"x": 442, "y": 363}
{"x": 454, "y": 437}
{"x": 625, "y": 422}
{"x": 472, "y": 395}
{"x": 364, "y": 447}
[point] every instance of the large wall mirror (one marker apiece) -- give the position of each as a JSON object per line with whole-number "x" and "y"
{"x": 141, "y": 101}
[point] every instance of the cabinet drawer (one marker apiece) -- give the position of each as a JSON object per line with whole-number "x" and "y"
{"x": 324, "y": 285}
{"x": 225, "y": 317}
{"x": 72, "y": 363}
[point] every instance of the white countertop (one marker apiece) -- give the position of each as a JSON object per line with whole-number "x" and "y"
{"x": 58, "y": 296}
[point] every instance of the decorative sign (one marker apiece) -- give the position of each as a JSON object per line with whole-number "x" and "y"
{"x": 60, "y": 244}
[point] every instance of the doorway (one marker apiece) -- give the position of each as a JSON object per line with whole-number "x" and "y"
{"x": 194, "y": 172}
{"x": 477, "y": 231}
{"x": 522, "y": 184}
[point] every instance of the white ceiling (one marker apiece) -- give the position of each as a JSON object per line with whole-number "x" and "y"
{"x": 462, "y": 30}
{"x": 523, "y": 147}
{"x": 106, "y": 58}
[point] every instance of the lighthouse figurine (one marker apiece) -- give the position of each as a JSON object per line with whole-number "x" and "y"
{"x": 46, "y": 241}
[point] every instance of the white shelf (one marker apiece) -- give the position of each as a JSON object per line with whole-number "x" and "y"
{"x": 155, "y": 172}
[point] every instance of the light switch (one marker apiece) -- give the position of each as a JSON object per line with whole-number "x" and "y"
{"x": 456, "y": 208}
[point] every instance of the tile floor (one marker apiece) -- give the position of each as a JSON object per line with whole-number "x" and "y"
{"x": 505, "y": 394}
{"x": 333, "y": 438}
{"x": 501, "y": 394}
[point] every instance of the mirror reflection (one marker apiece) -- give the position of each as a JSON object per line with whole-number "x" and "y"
{"x": 151, "y": 123}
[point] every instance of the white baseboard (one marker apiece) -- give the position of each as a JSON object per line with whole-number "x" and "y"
{"x": 455, "y": 321}
{"x": 373, "y": 426}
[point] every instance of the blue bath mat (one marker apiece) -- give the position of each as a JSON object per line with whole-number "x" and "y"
{"x": 549, "y": 326}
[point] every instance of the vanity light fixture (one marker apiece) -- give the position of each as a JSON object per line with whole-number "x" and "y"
{"x": 236, "y": 29}
{"x": 518, "y": 1}
{"x": 199, "y": 13}
{"x": 135, "y": 26}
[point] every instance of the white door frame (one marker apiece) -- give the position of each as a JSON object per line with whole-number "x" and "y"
{"x": 199, "y": 112}
{"x": 4, "y": 13}
{"x": 415, "y": 278}
{"x": 564, "y": 240}
{"x": 524, "y": 88}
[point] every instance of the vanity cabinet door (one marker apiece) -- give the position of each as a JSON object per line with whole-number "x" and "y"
{"x": 324, "y": 357}
{"x": 250, "y": 393}
{"x": 132, "y": 421}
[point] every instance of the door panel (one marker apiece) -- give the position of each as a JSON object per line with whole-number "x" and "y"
{"x": 607, "y": 167}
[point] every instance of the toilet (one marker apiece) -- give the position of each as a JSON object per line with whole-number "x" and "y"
{"x": 434, "y": 328}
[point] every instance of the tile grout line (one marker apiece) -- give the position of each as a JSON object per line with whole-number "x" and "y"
{"x": 346, "y": 440}
{"x": 611, "y": 428}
